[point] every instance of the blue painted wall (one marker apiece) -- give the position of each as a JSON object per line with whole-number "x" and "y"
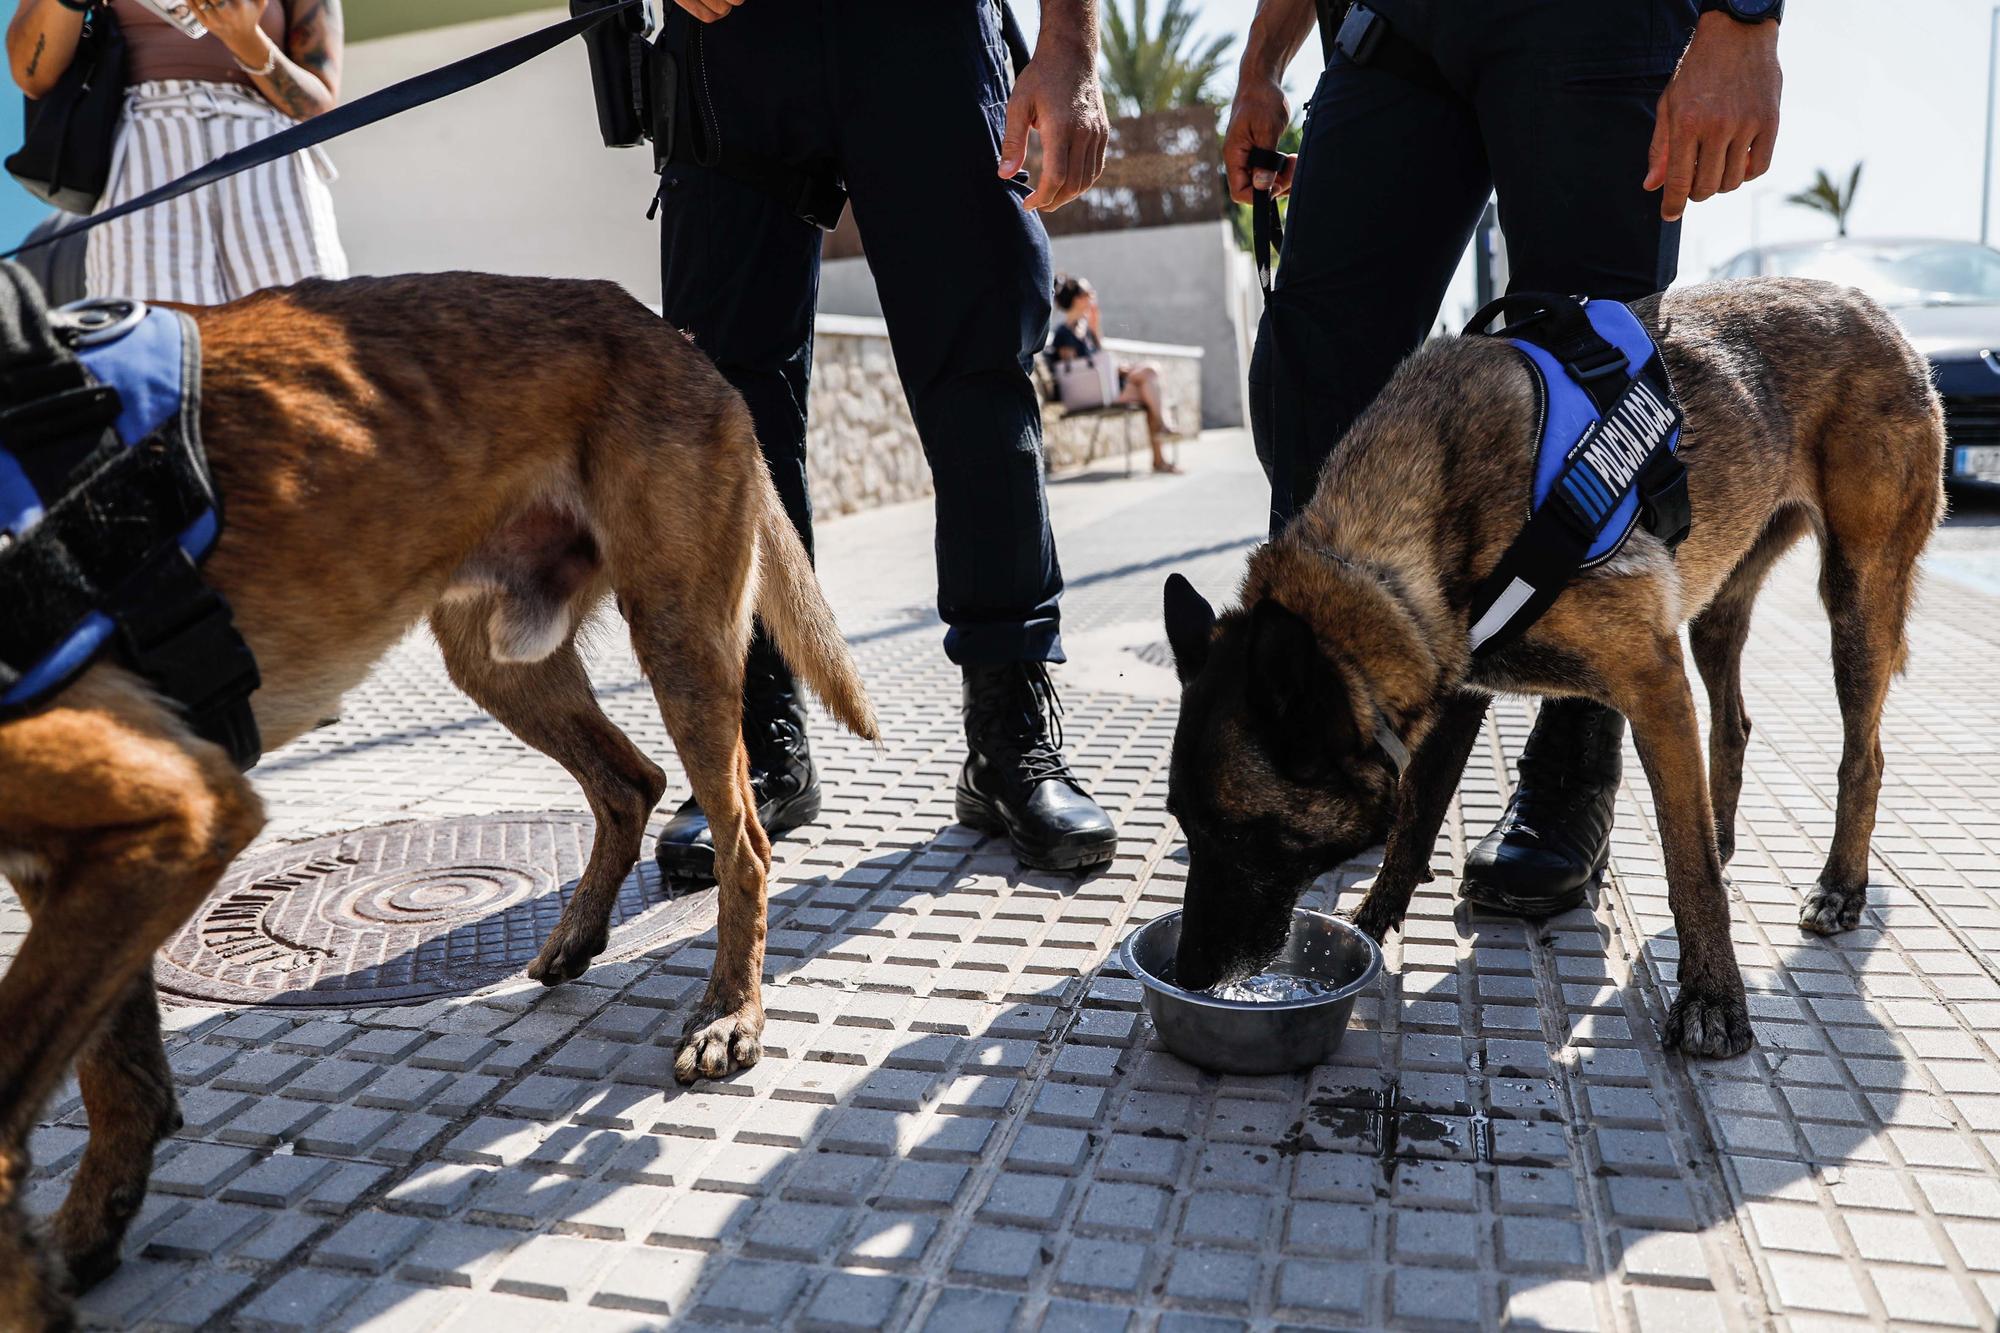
{"x": 19, "y": 210}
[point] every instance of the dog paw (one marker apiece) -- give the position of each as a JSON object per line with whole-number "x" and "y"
{"x": 86, "y": 1236}
{"x": 1828, "y": 909}
{"x": 565, "y": 957}
{"x": 712, "y": 1046}
{"x": 1376, "y": 921}
{"x": 1706, "y": 1024}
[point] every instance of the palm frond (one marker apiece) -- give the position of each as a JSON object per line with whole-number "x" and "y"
{"x": 1156, "y": 66}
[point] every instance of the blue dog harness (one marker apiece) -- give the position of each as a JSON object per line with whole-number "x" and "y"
{"x": 107, "y": 510}
{"x": 1607, "y": 457}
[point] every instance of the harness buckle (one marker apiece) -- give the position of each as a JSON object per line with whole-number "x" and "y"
{"x": 1598, "y": 363}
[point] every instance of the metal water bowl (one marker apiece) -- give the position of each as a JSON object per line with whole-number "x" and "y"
{"x": 1251, "y": 1036}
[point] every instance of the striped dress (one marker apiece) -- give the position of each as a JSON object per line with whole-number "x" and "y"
{"x": 264, "y": 228}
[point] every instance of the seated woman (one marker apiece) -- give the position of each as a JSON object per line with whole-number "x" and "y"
{"x": 1077, "y": 335}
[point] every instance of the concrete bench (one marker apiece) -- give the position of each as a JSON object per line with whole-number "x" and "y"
{"x": 862, "y": 449}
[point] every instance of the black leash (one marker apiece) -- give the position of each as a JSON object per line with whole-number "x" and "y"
{"x": 1267, "y": 229}
{"x": 397, "y": 98}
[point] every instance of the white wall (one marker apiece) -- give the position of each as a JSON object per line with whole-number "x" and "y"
{"x": 1182, "y": 284}
{"x": 510, "y": 177}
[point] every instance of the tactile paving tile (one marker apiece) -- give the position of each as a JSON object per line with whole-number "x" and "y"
{"x": 963, "y": 1119}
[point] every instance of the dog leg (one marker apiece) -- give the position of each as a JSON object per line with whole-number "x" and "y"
{"x": 139, "y": 820}
{"x": 1711, "y": 1015}
{"x": 31, "y": 1292}
{"x": 1867, "y": 598}
{"x": 128, "y": 1092}
{"x": 697, "y": 678}
{"x": 549, "y": 704}
{"x": 1717, "y": 636}
{"x": 1422, "y": 798}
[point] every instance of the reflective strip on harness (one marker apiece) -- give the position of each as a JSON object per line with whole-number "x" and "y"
{"x": 1606, "y": 460}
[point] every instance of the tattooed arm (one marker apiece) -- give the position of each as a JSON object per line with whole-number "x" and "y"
{"x": 303, "y": 79}
{"x": 41, "y": 41}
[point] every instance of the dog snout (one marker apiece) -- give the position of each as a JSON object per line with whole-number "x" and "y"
{"x": 1208, "y": 936}
{"x": 1197, "y": 962}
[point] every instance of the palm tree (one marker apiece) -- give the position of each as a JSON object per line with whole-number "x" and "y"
{"x": 1823, "y": 196}
{"x": 1149, "y": 68}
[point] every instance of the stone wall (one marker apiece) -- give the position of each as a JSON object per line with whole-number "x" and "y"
{"x": 862, "y": 446}
{"x": 1181, "y": 284}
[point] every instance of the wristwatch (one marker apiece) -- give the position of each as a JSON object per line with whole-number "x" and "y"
{"x": 1746, "y": 11}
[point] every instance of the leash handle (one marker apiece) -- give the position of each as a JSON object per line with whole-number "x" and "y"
{"x": 411, "y": 93}
{"x": 1267, "y": 228}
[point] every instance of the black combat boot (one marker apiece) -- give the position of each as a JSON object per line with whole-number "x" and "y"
{"x": 781, "y": 769}
{"x": 1016, "y": 781}
{"x": 1555, "y": 838}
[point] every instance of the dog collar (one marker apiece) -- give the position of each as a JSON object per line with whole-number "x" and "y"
{"x": 1392, "y": 744}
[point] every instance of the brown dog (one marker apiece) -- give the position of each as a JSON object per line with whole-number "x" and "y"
{"x": 495, "y": 454}
{"x": 1806, "y": 411}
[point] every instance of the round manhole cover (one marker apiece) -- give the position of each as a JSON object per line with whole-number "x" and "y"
{"x": 405, "y": 912}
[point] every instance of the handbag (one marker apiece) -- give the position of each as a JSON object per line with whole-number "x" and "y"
{"x": 65, "y": 156}
{"x": 1085, "y": 382}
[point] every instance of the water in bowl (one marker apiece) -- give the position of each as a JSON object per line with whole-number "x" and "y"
{"x": 1273, "y": 988}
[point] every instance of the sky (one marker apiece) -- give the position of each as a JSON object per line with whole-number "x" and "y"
{"x": 1899, "y": 87}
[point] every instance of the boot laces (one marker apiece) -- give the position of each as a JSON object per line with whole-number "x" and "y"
{"x": 1031, "y": 721}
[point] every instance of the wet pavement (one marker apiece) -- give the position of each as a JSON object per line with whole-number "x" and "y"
{"x": 962, "y": 1121}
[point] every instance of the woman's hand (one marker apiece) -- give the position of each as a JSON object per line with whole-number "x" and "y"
{"x": 302, "y": 79}
{"x": 237, "y": 25}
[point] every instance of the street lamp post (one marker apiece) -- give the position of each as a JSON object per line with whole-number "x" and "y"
{"x": 1986, "y": 176}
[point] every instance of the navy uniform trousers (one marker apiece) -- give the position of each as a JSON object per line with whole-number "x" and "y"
{"x": 1549, "y": 103}
{"x": 908, "y": 98}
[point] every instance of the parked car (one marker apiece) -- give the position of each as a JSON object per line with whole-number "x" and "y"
{"x": 1947, "y": 296}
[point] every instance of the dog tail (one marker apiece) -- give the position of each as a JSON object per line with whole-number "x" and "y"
{"x": 795, "y": 611}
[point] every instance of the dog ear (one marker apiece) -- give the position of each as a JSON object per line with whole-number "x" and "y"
{"x": 1297, "y": 695}
{"x": 1190, "y": 619}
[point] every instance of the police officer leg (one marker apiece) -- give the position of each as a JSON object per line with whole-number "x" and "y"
{"x": 740, "y": 273}
{"x": 1390, "y": 183}
{"x": 1567, "y": 111}
{"x": 964, "y": 278}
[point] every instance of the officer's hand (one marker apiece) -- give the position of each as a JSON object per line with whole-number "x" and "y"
{"x": 708, "y": 11}
{"x": 1057, "y": 95}
{"x": 1718, "y": 118}
{"x": 1257, "y": 120}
